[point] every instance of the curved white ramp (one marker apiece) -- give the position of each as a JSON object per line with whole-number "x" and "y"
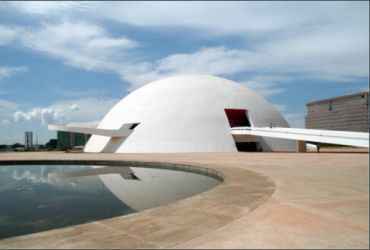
{"x": 356, "y": 139}
{"x": 124, "y": 131}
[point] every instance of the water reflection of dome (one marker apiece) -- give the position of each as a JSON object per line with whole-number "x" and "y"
{"x": 156, "y": 186}
{"x": 143, "y": 188}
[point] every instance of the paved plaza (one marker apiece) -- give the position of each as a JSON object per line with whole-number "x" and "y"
{"x": 267, "y": 200}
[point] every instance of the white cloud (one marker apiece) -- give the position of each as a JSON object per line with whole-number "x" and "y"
{"x": 8, "y": 34}
{"x": 8, "y": 71}
{"x": 80, "y": 44}
{"x": 46, "y": 115}
{"x": 266, "y": 85}
{"x": 317, "y": 40}
{"x": 42, "y": 177}
{"x": 266, "y": 61}
{"x": 46, "y": 175}
{"x": 45, "y": 7}
{"x": 314, "y": 40}
{"x": 333, "y": 51}
{"x": 74, "y": 106}
{"x": 241, "y": 18}
{"x": 214, "y": 61}
{"x": 14, "y": 121}
{"x": 80, "y": 110}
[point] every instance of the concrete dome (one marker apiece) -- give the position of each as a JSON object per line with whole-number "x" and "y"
{"x": 186, "y": 113}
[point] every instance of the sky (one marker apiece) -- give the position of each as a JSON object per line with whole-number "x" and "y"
{"x": 71, "y": 61}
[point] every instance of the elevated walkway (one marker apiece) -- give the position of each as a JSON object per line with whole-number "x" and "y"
{"x": 356, "y": 139}
{"x": 125, "y": 130}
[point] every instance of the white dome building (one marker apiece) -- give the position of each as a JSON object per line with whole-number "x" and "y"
{"x": 189, "y": 113}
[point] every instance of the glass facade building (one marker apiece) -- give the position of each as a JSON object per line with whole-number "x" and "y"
{"x": 28, "y": 139}
{"x": 68, "y": 140}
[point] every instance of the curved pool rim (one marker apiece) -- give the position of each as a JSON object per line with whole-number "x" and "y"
{"x": 240, "y": 192}
{"x": 201, "y": 170}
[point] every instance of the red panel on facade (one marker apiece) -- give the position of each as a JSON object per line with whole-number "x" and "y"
{"x": 237, "y": 117}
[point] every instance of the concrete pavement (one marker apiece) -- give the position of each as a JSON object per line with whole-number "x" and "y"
{"x": 268, "y": 200}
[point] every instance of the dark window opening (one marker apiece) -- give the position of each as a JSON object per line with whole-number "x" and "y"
{"x": 247, "y": 146}
{"x": 133, "y": 126}
{"x": 237, "y": 117}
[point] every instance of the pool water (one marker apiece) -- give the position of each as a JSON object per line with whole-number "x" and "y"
{"x": 35, "y": 198}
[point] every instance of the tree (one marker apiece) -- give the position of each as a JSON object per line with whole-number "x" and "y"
{"x": 17, "y": 145}
{"x": 51, "y": 144}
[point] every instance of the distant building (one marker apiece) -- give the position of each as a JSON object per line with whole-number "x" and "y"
{"x": 67, "y": 140}
{"x": 28, "y": 137}
{"x": 345, "y": 113}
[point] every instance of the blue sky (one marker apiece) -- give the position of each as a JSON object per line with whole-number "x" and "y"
{"x": 72, "y": 61}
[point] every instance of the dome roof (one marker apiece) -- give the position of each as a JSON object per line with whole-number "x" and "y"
{"x": 186, "y": 113}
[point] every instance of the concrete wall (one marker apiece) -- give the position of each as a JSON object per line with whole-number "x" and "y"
{"x": 345, "y": 113}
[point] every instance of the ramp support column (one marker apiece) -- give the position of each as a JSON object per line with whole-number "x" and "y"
{"x": 301, "y": 146}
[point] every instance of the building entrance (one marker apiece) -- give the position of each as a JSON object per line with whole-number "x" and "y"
{"x": 239, "y": 118}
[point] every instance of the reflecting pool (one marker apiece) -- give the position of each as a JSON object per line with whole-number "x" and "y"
{"x": 35, "y": 198}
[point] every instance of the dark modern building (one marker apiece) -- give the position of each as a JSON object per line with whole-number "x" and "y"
{"x": 68, "y": 140}
{"x": 28, "y": 139}
{"x": 345, "y": 113}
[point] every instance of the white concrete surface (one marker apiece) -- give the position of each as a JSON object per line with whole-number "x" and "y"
{"x": 185, "y": 113}
{"x": 356, "y": 139}
{"x": 123, "y": 132}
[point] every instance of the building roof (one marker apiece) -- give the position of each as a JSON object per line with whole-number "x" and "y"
{"x": 337, "y": 98}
